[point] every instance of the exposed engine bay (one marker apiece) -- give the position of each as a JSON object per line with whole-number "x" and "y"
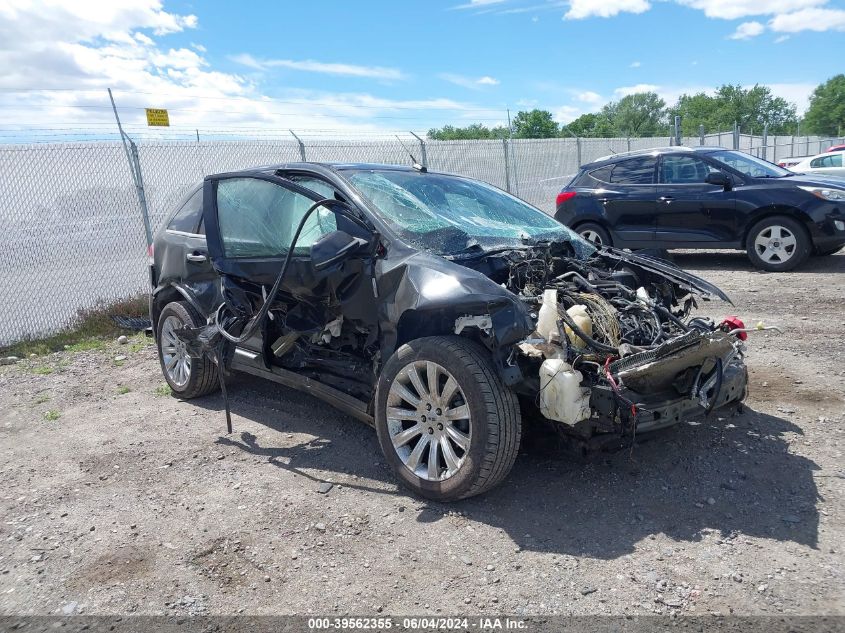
{"x": 616, "y": 346}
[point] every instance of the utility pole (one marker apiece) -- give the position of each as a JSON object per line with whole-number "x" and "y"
{"x": 135, "y": 167}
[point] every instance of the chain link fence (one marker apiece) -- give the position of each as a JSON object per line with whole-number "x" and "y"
{"x": 72, "y": 221}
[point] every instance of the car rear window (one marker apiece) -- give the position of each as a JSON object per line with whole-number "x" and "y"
{"x": 634, "y": 171}
{"x": 188, "y": 218}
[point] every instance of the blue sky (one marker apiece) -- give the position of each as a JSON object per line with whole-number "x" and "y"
{"x": 380, "y": 65}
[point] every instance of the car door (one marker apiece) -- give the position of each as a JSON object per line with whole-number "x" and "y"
{"x": 250, "y": 228}
{"x": 184, "y": 255}
{"x": 689, "y": 210}
{"x": 628, "y": 194}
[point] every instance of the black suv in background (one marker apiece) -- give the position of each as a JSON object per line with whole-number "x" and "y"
{"x": 706, "y": 197}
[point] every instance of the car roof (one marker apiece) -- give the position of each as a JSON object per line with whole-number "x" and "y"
{"x": 652, "y": 151}
{"x": 823, "y": 154}
{"x": 316, "y": 167}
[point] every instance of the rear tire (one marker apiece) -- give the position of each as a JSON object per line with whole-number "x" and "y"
{"x": 187, "y": 377}
{"x": 475, "y": 447}
{"x": 595, "y": 234}
{"x": 778, "y": 244}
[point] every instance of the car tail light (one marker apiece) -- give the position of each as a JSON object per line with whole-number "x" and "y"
{"x": 563, "y": 196}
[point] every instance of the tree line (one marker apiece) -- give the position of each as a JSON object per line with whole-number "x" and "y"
{"x": 646, "y": 114}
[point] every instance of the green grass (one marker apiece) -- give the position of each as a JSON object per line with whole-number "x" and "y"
{"x": 123, "y": 389}
{"x": 162, "y": 390}
{"x": 92, "y": 329}
{"x": 42, "y": 370}
{"x": 52, "y": 415}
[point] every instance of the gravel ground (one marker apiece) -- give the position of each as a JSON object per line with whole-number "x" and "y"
{"x": 119, "y": 499}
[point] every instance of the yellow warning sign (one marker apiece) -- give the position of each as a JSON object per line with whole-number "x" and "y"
{"x": 157, "y": 116}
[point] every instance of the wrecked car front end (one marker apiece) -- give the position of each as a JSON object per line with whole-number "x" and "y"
{"x": 615, "y": 348}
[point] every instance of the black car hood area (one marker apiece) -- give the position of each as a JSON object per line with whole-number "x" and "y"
{"x": 683, "y": 279}
{"x": 811, "y": 180}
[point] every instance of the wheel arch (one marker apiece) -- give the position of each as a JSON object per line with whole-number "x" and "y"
{"x": 414, "y": 324}
{"x": 777, "y": 210}
{"x": 166, "y": 294}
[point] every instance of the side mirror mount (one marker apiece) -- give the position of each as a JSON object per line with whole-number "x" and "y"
{"x": 720, "y": 179}
{"x": 333, "y": 248}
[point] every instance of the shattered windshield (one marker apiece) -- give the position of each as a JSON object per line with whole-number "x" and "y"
{"x": 448, "y": 215}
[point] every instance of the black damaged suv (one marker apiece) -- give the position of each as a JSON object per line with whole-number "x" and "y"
{"x": 706, "y": 197}
{"x": 431, "y": 307}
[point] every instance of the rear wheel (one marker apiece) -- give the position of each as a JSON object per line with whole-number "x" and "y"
{"x": 595, "y": 234}
{"x": 447, "y": 424}
{"x": 778, "y": 244}
{"x": 187, "y": 377}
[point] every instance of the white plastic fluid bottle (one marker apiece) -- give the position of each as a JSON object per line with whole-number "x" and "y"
{"x": 548, "y": 316}
{"x": 562, "y": 397}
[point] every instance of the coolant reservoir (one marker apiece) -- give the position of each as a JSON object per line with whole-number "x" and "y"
{"x": 579, "y": 314}
{"x": 547, "y": 318}
{"x": 562, "y": 397}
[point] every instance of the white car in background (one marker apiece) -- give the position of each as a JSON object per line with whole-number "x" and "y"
{"x": 830, "y": 163}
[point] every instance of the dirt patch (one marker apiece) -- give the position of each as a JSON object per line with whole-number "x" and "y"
{"x": 132, "y": 502}
{"x": 127, "y": 564}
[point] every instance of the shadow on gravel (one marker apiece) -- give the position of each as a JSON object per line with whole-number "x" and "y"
{"x": 738, "y": 260}
{"x": 720, "y": 478}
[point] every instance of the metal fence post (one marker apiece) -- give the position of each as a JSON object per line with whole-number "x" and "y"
{"x": 736, "y": 135}
{"x": 578, "y": 150}
{"x": 423, "y": 157}
{"x": 765, "y": 140}
{"x": 507, "y": 166}
{"x": 301, "y": 145}
{"x": 701, "y": 135}
{"x": 628, "y": 142}
{"x": 134, "y": 167}
{"x": 678, "y": 130}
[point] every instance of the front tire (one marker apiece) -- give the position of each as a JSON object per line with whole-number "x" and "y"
{"x": 187, "y": 377}
{"x": 778, "y": 244}
{"x": 447, "y": 424}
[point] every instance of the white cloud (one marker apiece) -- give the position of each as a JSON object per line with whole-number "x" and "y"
{"x": 809, "y": 20}
{"x": 478, "y": 4}
{"x": 79, "y": 50}
{"x": 747, "y": 30}
{"x": 588, "y": 96}
{"x": 624, "y": 91}
{"x": 797, "y": 93}
{"x": 781, "y": 39}
{"x": 328, "y": 68}
{"x": 734, "y": 9}
{"x": 473, "y": 83}
{"x": 580, "y": 9}
{"x": 635, "y": 64}
{"x": 567, "y": 114}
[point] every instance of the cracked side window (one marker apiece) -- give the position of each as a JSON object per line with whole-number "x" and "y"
{"x": 258, "y": 218}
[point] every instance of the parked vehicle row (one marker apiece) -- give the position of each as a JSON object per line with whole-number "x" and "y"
{"x": 706, "y": 197}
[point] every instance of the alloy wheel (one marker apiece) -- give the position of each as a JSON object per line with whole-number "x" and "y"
{"x": 174, "y": 353}
{"x": 775, "y": 244}
{"x": 428, "y": 420}
{"x": 592, "y": 237}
